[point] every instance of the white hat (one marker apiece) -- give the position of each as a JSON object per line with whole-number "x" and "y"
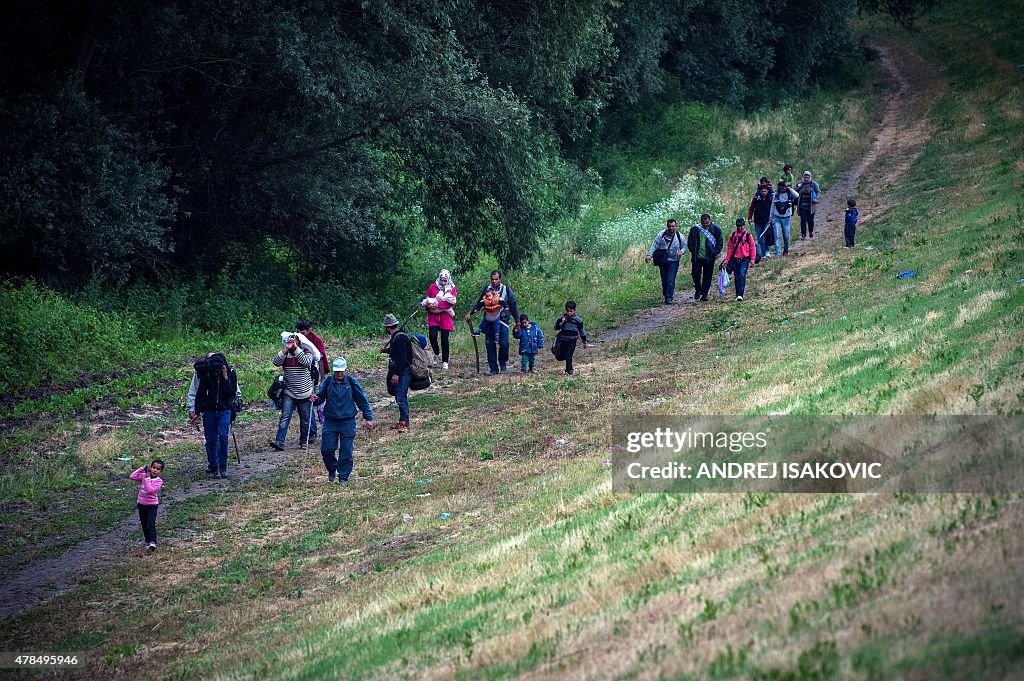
{"x": 339, "y": 364}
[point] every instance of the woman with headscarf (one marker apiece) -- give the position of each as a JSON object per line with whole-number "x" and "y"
{"x": 440, "y": 307}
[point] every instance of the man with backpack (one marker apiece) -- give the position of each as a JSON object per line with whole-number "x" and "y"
{"x": 214, "y": 392}
{"x": 497, "y": 339}
{"x": 808, "y": 191}
{"x": 340, "y": 395}
{"x": 298, "y": 389}
{"x": 665, "y": 252}
{"x": 784, "y": 202}
{"x": 399, "y": 350}
{"x": 705, "y": 245}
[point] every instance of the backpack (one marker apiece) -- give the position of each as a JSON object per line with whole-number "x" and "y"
{"x": 214, "y": 393}
{"x": 419, "y": 361}
{"x": 276, "y": 390}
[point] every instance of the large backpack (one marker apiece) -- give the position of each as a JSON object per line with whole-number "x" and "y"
{"x": 214, "y": 393}
{"x": 419, "y": 360}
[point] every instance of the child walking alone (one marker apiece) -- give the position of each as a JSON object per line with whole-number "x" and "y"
{"x": 570, "y": 329}
{"x": 531, "y": 340}
{"x": 850, "y": 226}
{"x": 149, "y": 500}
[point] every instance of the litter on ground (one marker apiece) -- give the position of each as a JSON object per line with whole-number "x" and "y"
{"x": 907, "y": 274}
{"x": 406, "y": 518}
{"x": 445, "y": 516}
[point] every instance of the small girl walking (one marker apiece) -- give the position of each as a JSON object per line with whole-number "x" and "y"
{"x": 149, "y": 500}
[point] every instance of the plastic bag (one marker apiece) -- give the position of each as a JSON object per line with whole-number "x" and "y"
{"x": 723, "y": 281}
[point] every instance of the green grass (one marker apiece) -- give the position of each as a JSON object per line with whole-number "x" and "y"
{"x": 541, "y": 568}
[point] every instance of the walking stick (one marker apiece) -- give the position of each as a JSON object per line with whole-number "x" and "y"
{"x": 476, "y": 350}
{"x": 238, "y": 457}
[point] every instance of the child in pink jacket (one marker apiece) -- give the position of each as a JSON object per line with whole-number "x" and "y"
{"x": 149, "y": 499}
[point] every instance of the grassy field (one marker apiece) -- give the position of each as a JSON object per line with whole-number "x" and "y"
{"x": 540, "y": 569}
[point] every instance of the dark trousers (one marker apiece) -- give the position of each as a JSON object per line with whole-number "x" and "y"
{"x": 703, "y": 274}
{"x": 338, "y": 435}
{"x": 147, "y": 516}
{"x": 739, "y": 271}
{"x": 849, "y": 232}
{"x": 668, "y": 279}
{"x": 569, "y": 343}
{"x": 806, "y": 222}
{"x": 496, "y": 335}
{"x": 443, "y": 350}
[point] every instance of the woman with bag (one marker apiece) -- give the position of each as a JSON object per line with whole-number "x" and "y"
{"x": 741, "y": 250}
{"x": 665, "y": 252}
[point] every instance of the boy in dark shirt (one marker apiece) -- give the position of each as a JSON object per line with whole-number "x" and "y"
{"x": 570, "y": 329}
{"x": 850, "y": 226}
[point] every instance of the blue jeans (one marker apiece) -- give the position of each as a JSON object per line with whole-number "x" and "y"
{"x": 759, "y": 231}
{"x": 781, "y": 233}
{"x": 288, "y": 405}
{"x": 402, "y": 395}
{"x": 337, "y": 433}
{"x": 496, "y": 355}
{"x": 739, "y": 271}
{"x": 668, "y": 279}
{"x": 216, "y": 425}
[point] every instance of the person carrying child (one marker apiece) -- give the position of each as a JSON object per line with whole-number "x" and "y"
{"x": 850, "y": 223}
{"x": 531, "y": 340}
{"x": 570, "y": 329}
{"x": 149, "y": 500}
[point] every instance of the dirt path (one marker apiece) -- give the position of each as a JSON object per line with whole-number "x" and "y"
{"x": 899, "y": 140}
{"x": 47, "y": 578}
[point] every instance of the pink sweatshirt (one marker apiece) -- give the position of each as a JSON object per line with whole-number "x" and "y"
{"x": 149, "y": 488}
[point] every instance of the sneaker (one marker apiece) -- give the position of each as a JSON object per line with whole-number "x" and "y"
{"x": 437, "y": 360}
{"x": 474, "y": 333}
{"x": 767, "y": 255}
{"x": 224, "y": 473}
{"x": 342, "y": 483}
{"x": 330, "y": 476}
{"x": 151, "y": 546}
{"x": 444, "y": 366}
{"x": 739, "y": 298}
{"x": 704, "y": 299}
{"x": 492, "y": 373}
{"x": 569, "y": 372}
{"x": 211, "y": 473}
{"x": 279, "y": 446}
{"x": 803, "y": 238}
{"x": 810, "y": 236}
{"x": 400, "y": 427}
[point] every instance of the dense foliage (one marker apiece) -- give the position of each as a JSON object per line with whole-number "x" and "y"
{"x": 180, "y": 140}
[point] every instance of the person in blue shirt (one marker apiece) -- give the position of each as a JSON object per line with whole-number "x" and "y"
{"x": 340, "y": 395}
{"x": 850, "y": 223}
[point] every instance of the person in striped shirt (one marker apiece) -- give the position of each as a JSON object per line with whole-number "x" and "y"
{"x": 298, "y": 390}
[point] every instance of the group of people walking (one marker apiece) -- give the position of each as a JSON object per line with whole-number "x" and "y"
{"x": 313, "y": 386}
{"x": 769, "y": 216}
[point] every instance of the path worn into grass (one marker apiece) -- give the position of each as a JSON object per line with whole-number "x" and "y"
{"x": 899, "y": 140}
{"x": 50, "y": 577}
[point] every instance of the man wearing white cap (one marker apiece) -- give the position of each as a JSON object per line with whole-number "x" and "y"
{"x": 340, "y": 395}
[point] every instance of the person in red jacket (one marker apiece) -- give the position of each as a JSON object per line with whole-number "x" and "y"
{"x": 740, "y": 251}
